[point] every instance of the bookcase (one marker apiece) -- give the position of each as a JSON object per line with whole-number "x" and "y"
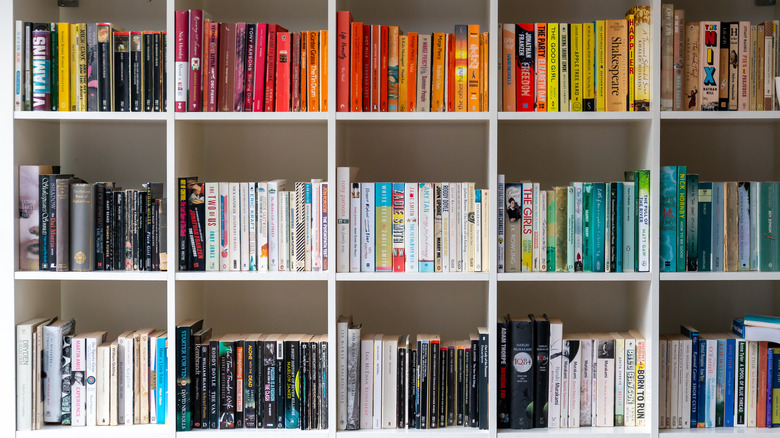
{"x": 551, "y": 148}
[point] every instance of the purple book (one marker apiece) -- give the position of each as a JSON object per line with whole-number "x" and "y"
{"x": 240, "y": 66}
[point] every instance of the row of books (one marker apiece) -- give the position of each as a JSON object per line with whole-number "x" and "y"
{"x": 253, "y": 226}
{"x": 411, "y": 227}
{"x": 410, "y": 382}
{"x": 380, "y": 69}
{"x": 248, "y": 67}
{"x": 548, "y": 379}
{"x": 239, "y": 381}
{"x": 597, "y": 66}
{"x": 90, "y": 227}
{"x": 717, "y": 226}
{"x": 80, "y": 379}
{"x": 717, "y": 380}
{"x": 717, "y": 65}
{"x": 590, "y": 227}
{"x": 88, "y": 67}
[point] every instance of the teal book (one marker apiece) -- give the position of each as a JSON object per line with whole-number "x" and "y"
{"x": 692, "y": 222}
{"x": 629, "y": 220}
{"x": 705, "y": 226}
{"x": 619, "y": 228}
{"x": 551, "y": 237}
{"x": 598, "y": 225}
{"x": 717, "y": 226}
{"x": 667, "y": 248}
{"x": 767, "y": 227}
{"x": 587, "y": 251}
{"x": 682, "y": 173}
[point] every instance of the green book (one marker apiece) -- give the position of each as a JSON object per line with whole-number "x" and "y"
{"x": 642, "y": 227}
{"x": 767, "y": 229}
{"x": 587, "y": 251}
{"x": 668, "y": 252}
{"x": 561, "y": 229}
{"x": 570, "y": 233}
{"x": 682, "y": 174}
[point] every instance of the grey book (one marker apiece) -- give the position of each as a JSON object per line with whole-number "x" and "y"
{"x": 62, "y": 233}
{"x": 82, "y": 215}
{"x": 353, "y": 377}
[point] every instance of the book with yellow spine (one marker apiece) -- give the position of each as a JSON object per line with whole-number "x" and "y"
{"x": 63, "y": 58}
{"x": 631, "y": 60}
{"x": 474, "y": 78}
{"x": 643, "y": 55}
{"x": 403, "y": 59}
{"x": 601, "y": 101}
{"x": 588, "y": 67}
{"x": 576, "y": 67}
{"x": 553, "y": 49}
{"x": 438, "y": 76}
{"x": 74, "y": 66}
{"x": 82, "y": 57}
{"x": 616, "y": 65}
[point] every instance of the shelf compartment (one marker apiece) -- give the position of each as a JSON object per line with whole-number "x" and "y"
{"x": 57, "y": 431}
{"x": 92, "y": 276}
{"x": 412, "y": 276}
{"x": 286, "y": 13}
{"x": 450, "y": 309}
{"x": 251, "y": 276}
{"x": 575, "y": 276}
{"x": 252, "y": 307}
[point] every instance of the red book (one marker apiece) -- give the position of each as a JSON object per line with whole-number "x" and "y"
{"x": 525, "y": 78}
{"x": 384, "y": 44}
{"x": 270, "y": 65}
{"x": 450, "y": 76}
{"x": 227, "y": 64}
{"x": 411, "y": 78}
{"x": 212, "y": 58}
{"x": 182, "y": 60}
{"x": 376, "y": 55}
{"x": 258, "y": 104}
{"x": 296, "y": 71}
{"x": 343, "y": 28}
{"x": 251, "y": 47}
{"x": 283, "y": 47}
{"x": 356, "y": 67}
{"x": 195, "y": 85}
{"x": 366, "y": 68}
{"x": 240, "y": 69}
{"x": 763, "y": 357}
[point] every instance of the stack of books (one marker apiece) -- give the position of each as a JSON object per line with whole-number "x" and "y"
{"x": 248, "y": 67}
{"x": 88, "y": 67}
{"x": 602, "y": 65}
{"x": 80, "y": 379}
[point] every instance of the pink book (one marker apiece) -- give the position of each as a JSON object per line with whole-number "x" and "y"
{"x": 366, "y": 68}
{"x": 240, "y": 82}
{"x": 182, "y": 61}
{"x": 194, "y": 99}
{"x": 344, "y": 27}
{"x": 260, "y": 55}
{"x": 296, "y": 72}
{"x": 283, "y": 47}
{"x": 251, "y": 46}
{"x": 212, "y": 54}
{"x": 270, "y": 65}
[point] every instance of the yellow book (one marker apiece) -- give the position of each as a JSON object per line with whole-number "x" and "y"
{"x": 473, "y": 68}
{"x": 576, "y": 67}
{"x": 642, "y": 57}
{"x": 616, "y": 65}
{"x": 63, "y": 58}
{"x": 403, "y": 60}
{"x": 312, "y": 75}
{"x": 392, "y": 69}
{"x": 82, "y": 55}
{"x": 74, "y": 66}
{"x": 553, "y": 52}
{"x": 323, "y": 70}
{"x": 588, "y": 66}
{"x": 601, "y": 102}
{"x": 438, "y": 76}
{"x": 631, "y": 60}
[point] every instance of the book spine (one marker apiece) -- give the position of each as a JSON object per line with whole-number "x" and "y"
{"x": 600, "y": 67}
{"x": 399, "y": 225}
{"x": 355, "y": 224}
{"x": 270, "y": 68}
{"x": 411, "y": 231}
{"x": 527, "y": 226}
{"x": 250, "y": 65}
{"x": 553, "y": 67}
{"x": 78, "y": 382}
{"x": 540, "y": 33}
{"x": 261, "y": 56}
{"x": 692, "y": 222}
{"x": 743, "y": 193}
{"x": 193, "y": 84}
{"x": 82, "y": 248}
{"x": 383, "y": 231}
{"x": 243, "y": 226}
{"x": 642, "y": 233}
{"x": 367, "y": 227}
{"x": 411, "y": 73}
{"x": 283, "y": 63}
{"x": 181, "y": 59}
{"x": 41, "y": 68}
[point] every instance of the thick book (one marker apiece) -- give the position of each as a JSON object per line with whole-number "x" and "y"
{"x": 709, "y": 65}
{"x": 521, "y": 373}
{"x": 31, "y": 202}
{"x": 54, "y": 368}
{"x": 184, "y": 358}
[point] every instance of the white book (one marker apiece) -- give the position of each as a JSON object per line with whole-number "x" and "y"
{"x": 25, "y": 364}
{"x": 629, "y": 412}
{"x": 126, "y": 352}
{"x": 344, "y": 177}
{"x": 464, "y": 227}
{"x": 686, "y": 354}
{"x": 485, "y": 230}
{"x": 234, "y": 245}
{"x": 425, "y": 221}
{"x": 262, "y": 227}
{"x": 641, "y": 376}
{"x": 113, "y": 382}
{"x": 19, "y": 71}
{"x": 102, "y": 384}
{"x": 325, "y": 231}
{"x": 297, "y": 228}
{"x": 470, "y": 241}
{"x": 92, "y": 341}
{"x": 605, "y": 383}
{"x": 252, "y": 229}
{"x": 620, "y": 378}
{"x": 501, "y": 202}
{"x": 355, "y": 228}
{"x": 411, "y": 230}
{"x": 575, "y": 376}
{"x": 367, "y": 382}
{"x": 680, "y": 377}
{"x": 377, "y": 387}
{"x": 445, "y": 227}
{"x": 212, "y": 226}
{"x": 390, "y": 381}
{"x": 594, "y": 360}
{"x": 556, "y": 374}
{"x": 710, "y": 382}
{"x": 577, "y": 220}
{"x": 275, "y": 187}
{"x": 674, "y": 381}
{"x": 52, "y": 368}
{"x": 368, "y": 227}
{"x": 307, "y": 216}
{"x": 224, "y": 226}
{"x": 478, "y": 231}
{"x": 586, "y": 346}
{"x": 152, "y": 377}
{"x": 537, "y": 255}
{"x": 456, "y": 189}
{"x": 78, "y": 396}
{"x": 663, "y": 382}
{"x": 565, "y": 388}
{"x": 285, "y": 214}
{"x": 542, "y": 214}
{"x": 751, "y": 393}
{"x": 243, "y": 192}
{"x": 316, "y": 225}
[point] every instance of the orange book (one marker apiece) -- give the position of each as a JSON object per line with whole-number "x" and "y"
{"x": 384, "y": 32}
{"x": 473, "y": 80}
{"x": 356, "y": 86}
{"x": 438, "y": 76}
{"x": 411, "y": 76}
{"x": 343, "y": 58}
{"x": 323, "y": 70}
{"x": 541, "y": 67}
{"x": 376, "y": 56}
{"x": 449, "y": 93}
{"x": 312, "y": 77}
{"x": 304, "y": 62}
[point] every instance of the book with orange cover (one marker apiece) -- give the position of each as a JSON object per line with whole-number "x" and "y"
{"x": 343, "y": 73}
{"x": 403, "y": 71}
{"x": 283, "y": 49}
{"x": 323, "y": 70}
{"x": 438, "y": 76}
{"x": 449, "y": 93}
{"x": 393, "y": 62}
{"x": 376, "y": 55}
{"x": 508, "y": 63}
{"x": 474, "y": 78}
{"x": 384, "y": 33}
{"x": 411, "y": 76}
{"x": 356, "y": 81}
{"x": 541, "y": 66}
{"x": 313, "y": 65}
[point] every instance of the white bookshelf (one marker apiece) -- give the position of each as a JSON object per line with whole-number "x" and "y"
{"x": 551, "y": 148}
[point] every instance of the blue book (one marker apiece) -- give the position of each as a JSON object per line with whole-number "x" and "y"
{"x": 587, "y": 224}
{"x": 775, "y": 385}
{"x": 692, "y": 333}
{"x": 702, "y": 384}
{"x": 720, "y": 384}
{"x": 705, "y": 226}
{"x": 728, "y": 411}
{"x": 619, "y": 231}
{"x": 161, "y": 393}
{"x": 598, "y": 225}
{"x": 717, "y": 227}
{"x": 667, "y": 249}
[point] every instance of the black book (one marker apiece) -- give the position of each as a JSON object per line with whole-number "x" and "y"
{"x": 156, "y": 73}
{"x": 203, "y": 387}
{"x": 541, "y": 370}
{"x": 467, "y": 385}
{"x": 411, "y": 386}
{"x": 214, "y": 384}
{"x": 92, "y": 67}
{"x": 442, "y": 386}
{"x": 461, "y": 388}
{"x": 401, "y": 386}
{"x": 452, "y": 381}
{"x": 473, "y": 374}
{"x": 105, "y": 63}
{"x": 148, "y": 38}
{"x": 154, "y": 191}
{"x": 482, "y": 390}
{"x": 156, "y": 207}
{"x": 164, "y": 74}
{"x": 267, "y": 398}
{"x": 108, "y": 242}
{"x": 239, "y": 351}
{"x": 324, "y": 381}
{"x": 138, "y": 212}
{"x": 521, "y": 373}
{"x": 121, "y": 71}
{"x": 184, "y": 367}
{"x": 725, "y": 50}
{"x": 292, "y": 369}
{"x": 614, "y": 215}
{"x": 197, "y": 379}
{"x": 305, "y": 374}
{"x": 100, "y": 224}
{"x": 250, "y": 383}
{"x": 196, "y": 204}
{"x": 315, "y": 385}
{"x": 44, "y": 187}
{"x": 503, "y": 393}
{"x": 55, "y": 65}
{"x": 227, "y": 383}
{"x": 281, "y": 387}
{"x": 183, "y": 251}
{"x": 423, "y": 348}
{"x": 119, "y": 230}
{"x": 136, "y": 72}
{"x": 433, "y": 385}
